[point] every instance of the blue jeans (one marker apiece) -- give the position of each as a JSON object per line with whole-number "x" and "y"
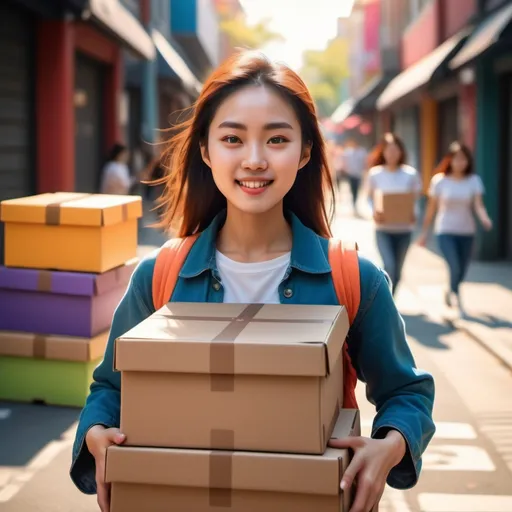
{"x": 456, "y": 250}
{"x": 393, "y": 249}
{"x": 355, "y": 183}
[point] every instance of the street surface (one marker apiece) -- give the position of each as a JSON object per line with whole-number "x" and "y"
{"x": 467, "y": 468}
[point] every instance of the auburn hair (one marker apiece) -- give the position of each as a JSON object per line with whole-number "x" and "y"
{"x": 377, "y": 154}
{"x": 445, "y": 165}
{"x": 191, "y": 199}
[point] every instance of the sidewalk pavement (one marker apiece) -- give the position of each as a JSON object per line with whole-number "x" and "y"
{"x": 486, "y": 295}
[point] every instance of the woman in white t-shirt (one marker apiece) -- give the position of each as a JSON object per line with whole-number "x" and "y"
{"x": 116, "y": 178}
{"x": 390, "y": 174}
{"x": 454, "y": 194}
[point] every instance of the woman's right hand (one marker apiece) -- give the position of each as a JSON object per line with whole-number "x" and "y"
{"x": 422, "y": 240}
{"x": 98, "y": 439}
{"x": 378, "y": 217}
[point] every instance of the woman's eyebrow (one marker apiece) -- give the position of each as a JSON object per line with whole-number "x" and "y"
{"x": 278, "y": 125}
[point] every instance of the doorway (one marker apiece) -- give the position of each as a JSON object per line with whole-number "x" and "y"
{"x": 88, "y": 98}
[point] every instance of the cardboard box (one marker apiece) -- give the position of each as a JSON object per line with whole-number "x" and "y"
{"x": 62, "y": 303}
{"x": 70, "y": 231}
{"x": 52, "y": 382}
{"x": 56, "y": 370}
{"x": 396, "y": 208}
{"x": 160, "y": 479}
{"x": 60, "y": 348}
{"x": 233, "y": 376}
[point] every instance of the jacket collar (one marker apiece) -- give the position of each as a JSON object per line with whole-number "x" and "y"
{"x": 308, "y": 254}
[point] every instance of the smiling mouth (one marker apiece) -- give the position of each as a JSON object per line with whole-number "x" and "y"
{"x": 255, "y": 184}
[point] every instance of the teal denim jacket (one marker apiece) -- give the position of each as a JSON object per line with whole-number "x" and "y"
{"x": 402, "y": 394}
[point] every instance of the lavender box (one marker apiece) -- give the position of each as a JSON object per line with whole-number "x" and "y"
{"x": 61, "y": 303}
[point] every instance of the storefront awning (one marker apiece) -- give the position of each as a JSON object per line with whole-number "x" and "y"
{"x": 120, "y": 22}
{"x": 176, "y": 63}
{"x": 485, "y": 36}
{"x": 369, "y": 94}
{"x": 420, "y": 74}
{"x": 343, "y": 112}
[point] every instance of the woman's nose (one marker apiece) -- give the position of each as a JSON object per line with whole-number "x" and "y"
{"x": 255, "y": 160}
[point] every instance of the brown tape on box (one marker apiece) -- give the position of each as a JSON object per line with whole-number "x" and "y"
{"x": 44, "y": 281}
{"x": 222, "y": 350}
{"x": 39, "y": 347}
{"x": 221, "y": 468}
{"x": 52, "y": 212}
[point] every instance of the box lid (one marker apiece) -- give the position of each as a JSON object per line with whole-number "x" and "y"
{"x": 217, "y": 469}
{"x": 71, "y": 209}
{"x": 61, "y": 348}
{"x": 67, "y": 283}
{"x": 229, "y": 339}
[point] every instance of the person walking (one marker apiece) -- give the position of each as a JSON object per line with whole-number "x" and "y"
{"x": 355, "y": 163}
{"x": 115, "y": 177}
{"x": 455, "y": 192}
{"x": 390, "y": 174}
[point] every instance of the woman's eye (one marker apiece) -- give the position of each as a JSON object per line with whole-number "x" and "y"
{"x": 278, "y": 140}
{"x": 231, "y": 139}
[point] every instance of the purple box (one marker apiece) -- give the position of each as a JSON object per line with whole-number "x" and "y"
{"x": 65, "y": 303}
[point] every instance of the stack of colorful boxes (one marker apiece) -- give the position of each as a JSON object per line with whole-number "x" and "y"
{"x": 68, "y": 260}
{"x": 232, "y": 406}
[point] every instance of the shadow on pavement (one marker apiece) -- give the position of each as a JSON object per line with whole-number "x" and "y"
{"x": 35, "y": 426}
{"x": 426, "y": 331}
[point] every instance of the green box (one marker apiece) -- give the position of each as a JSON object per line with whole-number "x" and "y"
{"x": 25, "y": 379}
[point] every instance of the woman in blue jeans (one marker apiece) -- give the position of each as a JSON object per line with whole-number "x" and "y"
{"x": 390, "y": 174}
{"x": 455, "y": 193}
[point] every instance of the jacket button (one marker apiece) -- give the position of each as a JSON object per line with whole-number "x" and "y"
{"x": 216, "y": 286}
{"x": 288, "y": 292}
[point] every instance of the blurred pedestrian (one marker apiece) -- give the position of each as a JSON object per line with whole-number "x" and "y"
{"x": 390, "y": 174}
{"x": 355, "y": 163}
{"x": 115, "y": 176}
{"x": 455, "y": 193}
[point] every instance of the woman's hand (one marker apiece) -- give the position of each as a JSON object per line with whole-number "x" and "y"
{"x": 486, "y": 223}
{"x": 378, "y": 217}
{"x": 372, "y": 461}
{"x": 98, "y": 439}
{"x": 422, "y": 239}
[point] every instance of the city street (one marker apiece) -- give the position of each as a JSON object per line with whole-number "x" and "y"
{"x": 467, "y": 468}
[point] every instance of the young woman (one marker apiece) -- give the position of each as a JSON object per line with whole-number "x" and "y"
{"x": 390, "y": 174}
{"x": 248, "y": 173}
{"x": 455, "y": 192}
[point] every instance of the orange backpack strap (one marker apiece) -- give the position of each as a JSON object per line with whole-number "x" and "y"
{"x": 344, "y": 263}
{"x": 170, "y": 259}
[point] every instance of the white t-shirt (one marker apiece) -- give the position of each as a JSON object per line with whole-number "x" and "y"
{"x": 116, "y": 179}
{"x": 405, "y": 179}
{"x": 252, "y": 283}
{"x": 455, "y": 203}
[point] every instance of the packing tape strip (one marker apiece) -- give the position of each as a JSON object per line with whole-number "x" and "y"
{"x": 52, "y": 211}
{"x": 221, "y": 468}
{"x": 39, "y": 347}
{"x": 44, "y": 281}
{"x": 222, "y": 350}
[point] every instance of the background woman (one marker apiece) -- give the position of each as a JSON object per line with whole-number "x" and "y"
{"x": 455, "y": 193}
{"x": 390, "y": 174}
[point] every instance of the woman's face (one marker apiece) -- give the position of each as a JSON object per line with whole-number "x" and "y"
{"x": 392, "y": 154}
{"x": 459, "y": 163}
{"x": 255, "y": 149}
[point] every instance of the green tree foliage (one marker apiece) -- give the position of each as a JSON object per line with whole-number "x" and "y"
{"x": 244, "y": 35}
{"x": 324, "y": 71}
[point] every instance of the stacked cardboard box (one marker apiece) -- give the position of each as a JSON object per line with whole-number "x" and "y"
{"x": 68, "y": 260}
{"x": 232, "y": 405}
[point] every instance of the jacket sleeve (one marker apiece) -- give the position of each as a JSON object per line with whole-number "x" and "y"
{"x": 402, "y": 394}
{"x": 103, "y": 403}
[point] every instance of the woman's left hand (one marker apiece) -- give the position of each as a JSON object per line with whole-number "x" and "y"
{"x": 487, "y": 223}
{"x": 372, "y": 461}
